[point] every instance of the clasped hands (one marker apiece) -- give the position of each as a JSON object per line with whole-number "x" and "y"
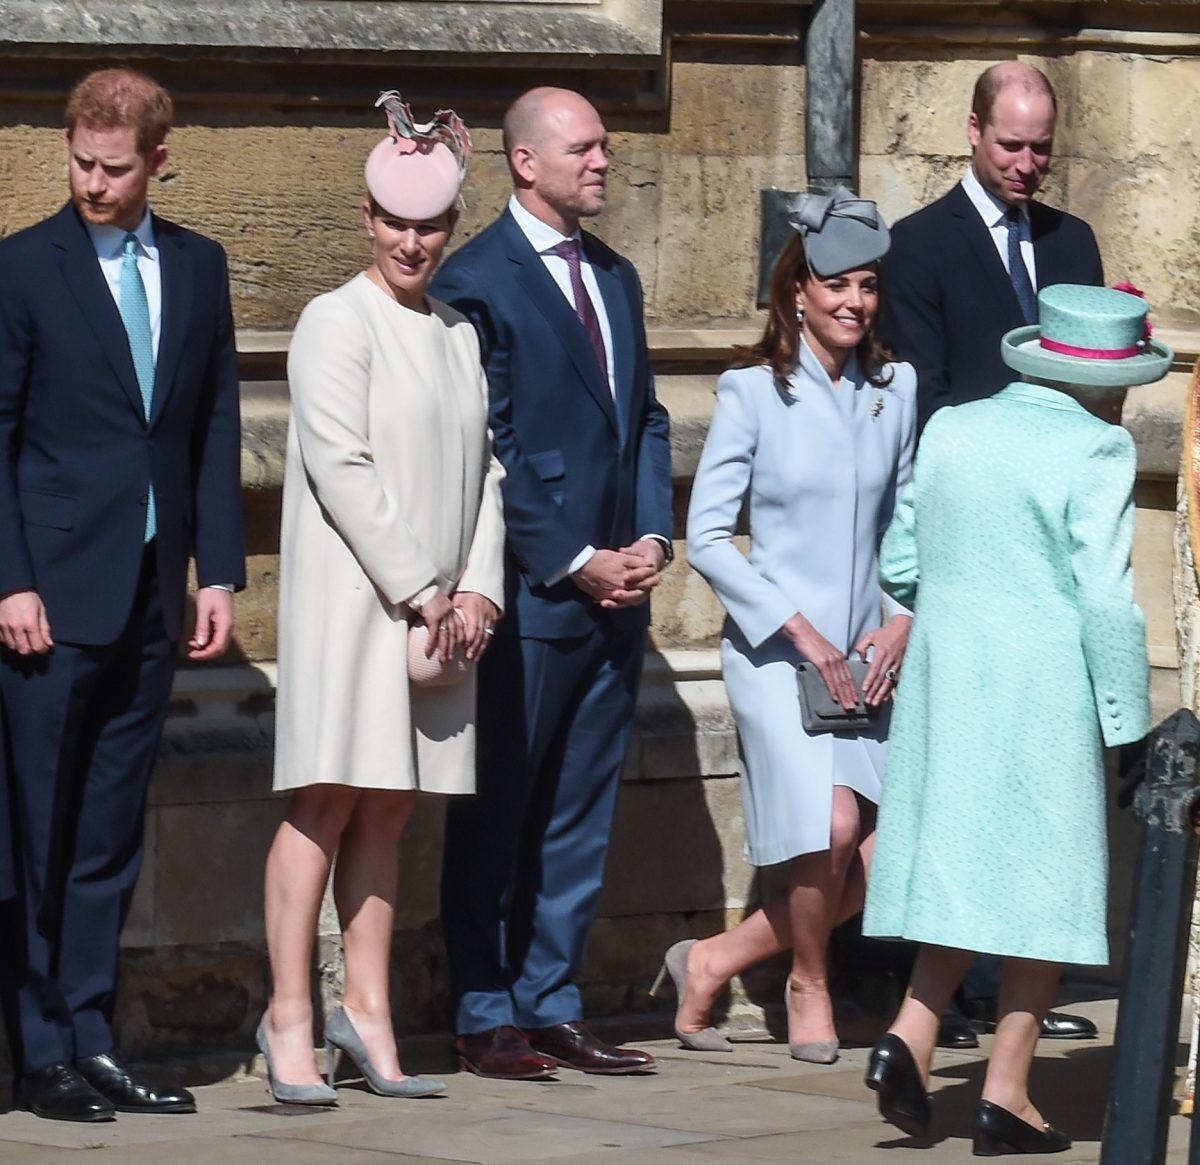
{"x": 464, "y": 620}
{"x": 888, "y": 641}
{"x": 25, "y": 627}
{"x": 622, "y": 578}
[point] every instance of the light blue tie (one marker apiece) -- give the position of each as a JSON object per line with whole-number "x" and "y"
{"x": 135, "y": 314}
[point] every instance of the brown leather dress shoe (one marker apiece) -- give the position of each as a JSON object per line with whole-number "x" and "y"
{"x": 572, "y": 1046}
{"x": 502, "y": 1053}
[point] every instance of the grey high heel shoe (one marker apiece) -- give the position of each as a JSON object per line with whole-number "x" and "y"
{"x": 290, "y": 1093}
{"x": 810, "y": 1051}
{"x": 340, "y": 1034}
{"x": 675, "y": 965}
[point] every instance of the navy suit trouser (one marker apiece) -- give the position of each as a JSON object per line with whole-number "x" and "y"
{"x": 524, "y": 859}
{"x": 83, "y": 727}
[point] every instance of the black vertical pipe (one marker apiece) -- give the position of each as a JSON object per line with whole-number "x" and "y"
{"x": 829, "y": 95}
{"x": 1139, "y": 1102}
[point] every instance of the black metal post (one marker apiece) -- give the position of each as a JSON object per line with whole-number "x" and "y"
{"x": 829, "y": 95}
{"x": 828, "y": 125}
{"x": 1139, "y": 1102}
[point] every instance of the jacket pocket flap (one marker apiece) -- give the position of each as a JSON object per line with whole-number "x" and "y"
{"x": 549, "y": 465}
{"x": 43, "y": 509}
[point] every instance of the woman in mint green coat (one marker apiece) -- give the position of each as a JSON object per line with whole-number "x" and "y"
{"x": 1027, "y": 657}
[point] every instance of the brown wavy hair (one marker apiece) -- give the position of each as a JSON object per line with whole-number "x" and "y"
{"x": 780, "y": 343}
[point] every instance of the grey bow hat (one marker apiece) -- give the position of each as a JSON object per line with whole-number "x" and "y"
{"x": 840, "y": 230}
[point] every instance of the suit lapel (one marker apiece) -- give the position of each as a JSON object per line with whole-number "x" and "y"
{"x": 177, "y": 283}
{"x": 536, "y": 282}
{"x": 620, "y": 326}
{"x": 986, "y": 258}
{"x": 81, "y": 272}
{"x": 1053, "y": 265}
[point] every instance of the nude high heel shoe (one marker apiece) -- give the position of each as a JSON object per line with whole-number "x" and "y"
{"x": 340, "y": 1034}
{"x": 290, "y": 1093}
{"x": 810, "y": 1051}
{"x": 675, "y": 965}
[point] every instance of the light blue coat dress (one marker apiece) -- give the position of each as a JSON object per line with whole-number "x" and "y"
{"x": 1027, "y": 654}
{"x": 819, "y": 472}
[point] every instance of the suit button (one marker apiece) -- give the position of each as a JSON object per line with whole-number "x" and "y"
{"x": 144, "y": 500}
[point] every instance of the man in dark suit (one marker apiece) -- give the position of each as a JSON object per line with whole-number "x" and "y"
{"x": 119, "y": 460}
{"x": 961, "y": 273}
{"x": 964, "y": 270}
{"x": 587, "y": 503}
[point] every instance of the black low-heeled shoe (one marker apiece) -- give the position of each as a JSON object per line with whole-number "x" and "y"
{"x": 892, "y": 1073}
{"x": 996, "y": 1131}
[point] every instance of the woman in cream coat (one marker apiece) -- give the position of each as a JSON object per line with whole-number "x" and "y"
{"x": 815, "y": 432}
{"x": 391, "y": 519}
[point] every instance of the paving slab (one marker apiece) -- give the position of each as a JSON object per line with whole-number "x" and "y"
{"x": 755, "y": 1104}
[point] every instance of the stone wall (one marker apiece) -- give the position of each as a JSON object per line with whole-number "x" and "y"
{"x": 267, "y": 158}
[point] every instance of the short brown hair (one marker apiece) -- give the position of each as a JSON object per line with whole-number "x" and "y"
{"x": 111, "y": 98}
{"x": 993, "y": 81}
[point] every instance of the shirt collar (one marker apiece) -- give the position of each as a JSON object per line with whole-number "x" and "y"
{"x": 542, "y": 237}
{"x": 991, "y": 209}
{"x": 109, "y": 241}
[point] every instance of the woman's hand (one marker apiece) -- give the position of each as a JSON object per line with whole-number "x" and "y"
{"x": 826, "y": 658}
{"x": 478, "y": 616}
{"x": 445, "y": 627}
{"x": 889, "y": 642}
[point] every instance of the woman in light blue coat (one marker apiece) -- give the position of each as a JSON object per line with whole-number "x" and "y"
{"x": 813, "y": 433}
{"x": 1028, "y": 656}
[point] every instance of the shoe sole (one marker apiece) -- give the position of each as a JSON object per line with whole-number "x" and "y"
{"x": 166, "y": 1109}
{"x": 465, "y": 1065}
{"x": 607, "y": 1071}
{"x": 97, "y": 1119}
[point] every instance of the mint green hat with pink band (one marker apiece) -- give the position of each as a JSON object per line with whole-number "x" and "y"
{"x": 1091, "y": 336}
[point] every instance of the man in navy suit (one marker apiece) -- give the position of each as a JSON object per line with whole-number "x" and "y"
{"x": 950, "y": 285}
{"x": 119, "y": 460}
{"x": 960, "y": 274}
{"x": 587, "y": 504}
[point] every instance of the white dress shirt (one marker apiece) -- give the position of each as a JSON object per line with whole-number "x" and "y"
{"x": 992, "y": 211}
{"x": 109, "y": 242}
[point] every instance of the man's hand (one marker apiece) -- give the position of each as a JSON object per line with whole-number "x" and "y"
{"x": 24, "y": 627}
{"x": 214, "y": 623}
{"x": 617, "y": 578}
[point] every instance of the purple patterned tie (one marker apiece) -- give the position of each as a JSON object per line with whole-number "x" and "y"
{"x": 584, "y": 308}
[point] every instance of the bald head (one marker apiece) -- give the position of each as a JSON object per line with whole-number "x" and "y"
{"x": 1011, "y": 131}
{"x": 1016, "y": 76}
{"x": 557, "y": 151}
{"x": 534, "y": 114}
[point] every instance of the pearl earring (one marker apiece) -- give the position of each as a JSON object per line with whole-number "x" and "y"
{"x": 799, "y": 314}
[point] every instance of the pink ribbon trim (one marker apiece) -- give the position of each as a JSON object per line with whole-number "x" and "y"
{"x": 1090, "y": 353}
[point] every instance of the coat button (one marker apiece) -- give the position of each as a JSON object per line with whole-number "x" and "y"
{"x": 1111, "y": 698}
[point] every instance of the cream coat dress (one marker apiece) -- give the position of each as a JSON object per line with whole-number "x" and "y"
{"x": 390, "y": 488}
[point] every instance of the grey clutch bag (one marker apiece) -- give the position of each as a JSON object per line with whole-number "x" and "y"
{"x": 819, "y": 712}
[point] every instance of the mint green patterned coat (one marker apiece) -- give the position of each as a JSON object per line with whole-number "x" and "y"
{"x": 1027, "y": 655}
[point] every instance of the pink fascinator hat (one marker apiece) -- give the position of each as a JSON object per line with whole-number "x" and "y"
{"x": 416, "y": 171}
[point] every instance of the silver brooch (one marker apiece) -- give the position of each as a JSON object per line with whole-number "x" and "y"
{"x": 877, "y": 407}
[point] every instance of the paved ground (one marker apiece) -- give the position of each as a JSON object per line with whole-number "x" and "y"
{"x": 755, "y": 1105}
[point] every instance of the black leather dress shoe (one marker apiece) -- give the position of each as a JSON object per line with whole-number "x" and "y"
{"x": 130, "y": 1093}
{"x": 955, "y": 1031}
{"x": 996, "y": 1131}
{"x": 892, "y": 1073}
{"x": 571, "y": 1045}
{"x": 1057, "y": 1025}
{"x": 58, "y": 1093}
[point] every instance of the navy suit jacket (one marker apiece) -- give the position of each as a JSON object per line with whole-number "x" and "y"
{"x": 580, "y": 468}
{"x": 947, "y": 298}
{"x": 77, "y": 455}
